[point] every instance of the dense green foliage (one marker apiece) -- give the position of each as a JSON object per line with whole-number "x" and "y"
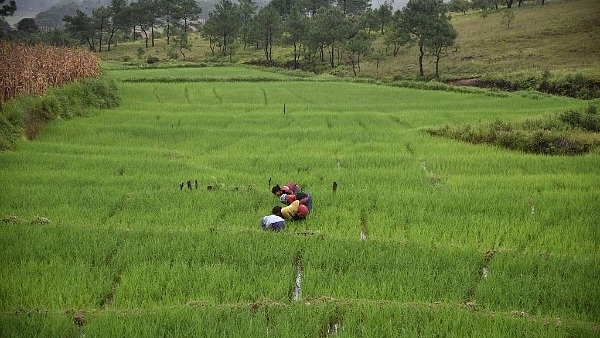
{"x": 98, "y": 238}
{"x": 570, "y": 133}
{"x": 569, "y": 85}
{"x": 27, "y": 115}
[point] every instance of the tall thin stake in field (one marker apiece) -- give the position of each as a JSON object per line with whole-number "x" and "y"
{"x": 363, "y": 228}
{"x": 296, "y": 292}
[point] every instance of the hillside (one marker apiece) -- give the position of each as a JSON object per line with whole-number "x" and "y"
{"x": 557, "y": 38}
{"x": 560, "y": 36}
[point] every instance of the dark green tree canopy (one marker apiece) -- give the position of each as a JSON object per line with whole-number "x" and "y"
{"x": 8, "y": 9}
{"x": 27, "y": 25}
{"x": 223, "y": 23}
{"x": 425, "y": 21}
{"x": 80, "y": 26}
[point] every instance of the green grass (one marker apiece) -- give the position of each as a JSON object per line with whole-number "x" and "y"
{"x": 126, "y": 252}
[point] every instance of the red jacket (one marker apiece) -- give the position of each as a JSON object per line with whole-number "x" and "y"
{"x": 290, "y": 188}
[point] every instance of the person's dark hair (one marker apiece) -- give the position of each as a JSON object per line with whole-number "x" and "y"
{"x": 275, "y": 189}
{"x": 276, "y": 210}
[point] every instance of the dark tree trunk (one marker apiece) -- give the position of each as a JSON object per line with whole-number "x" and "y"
{"x": 168, "y": 32}
{"x": 270, "y": 46}
{"x": 100, "y": 41}
{"x": 421, "y": 53}
{"x": 351, "y": 57}
{"x": 331, "y": 56}
{"x": 145, "y": 35}
{"x": 295, "y": 56}
{"x": 152, "y": 34}
{"x": 322, "y": 53}
{"x": 438, "y": 51}
{"x": 90, "y": 42}
{"x": 110, "y": 37}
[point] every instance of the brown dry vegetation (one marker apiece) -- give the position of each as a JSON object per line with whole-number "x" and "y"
{"x": 33, "y": 69}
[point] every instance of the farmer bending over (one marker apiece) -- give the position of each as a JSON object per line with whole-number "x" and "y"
{"x": 273, "y": 223}
{"x": 303, "y": 197}
{"x": 288, "y": 188}
{"x": 293, "y": 212}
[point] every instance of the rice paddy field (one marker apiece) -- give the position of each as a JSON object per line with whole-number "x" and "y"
{"x": 103, "y": 236}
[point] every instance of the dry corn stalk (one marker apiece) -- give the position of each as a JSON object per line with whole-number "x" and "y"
{"x": 33, "y": 69}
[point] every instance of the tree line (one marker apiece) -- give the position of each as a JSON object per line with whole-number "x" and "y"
{"x": 329, "y": 30}
{"x": 319, "y": 31}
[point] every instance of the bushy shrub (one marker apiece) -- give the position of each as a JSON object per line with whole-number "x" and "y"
{"x": 571, "y": 117}
{"x": 9, "y": 133}
{"x": 577, "y": 86}
{"x": 568, "y": 146}
{"x": 101, "y": 92}
{"x": 540, "y": 142}
{"x": 152, "y": 59}
{"x": 586, "y": 120}
{"x": 71, "y": 98}
{"x": 342, "y": 71}
{"x": 13, "y": 111}
{"x": 509, "y": 140}
{"x": 569, "y": 133}
{"x": 47, "y": 107}
{"x": 591, "y": 123}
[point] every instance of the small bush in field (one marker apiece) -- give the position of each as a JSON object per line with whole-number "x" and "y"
{"x": 587, "y": 120}
{"x": 101, "y": 93}
{"x": 152, "y": 59}
{"x": 572, "y": 117}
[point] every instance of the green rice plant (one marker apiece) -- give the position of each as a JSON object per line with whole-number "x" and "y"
{"x": 538, "y": 284}
{"x": 130, "y": 249}
{"x": 318, "y": 318}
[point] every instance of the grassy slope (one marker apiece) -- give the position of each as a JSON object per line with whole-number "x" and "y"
{"x": 560, "y": 36}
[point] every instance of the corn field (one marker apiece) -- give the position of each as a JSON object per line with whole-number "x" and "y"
{"x": 32, "y": 69}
